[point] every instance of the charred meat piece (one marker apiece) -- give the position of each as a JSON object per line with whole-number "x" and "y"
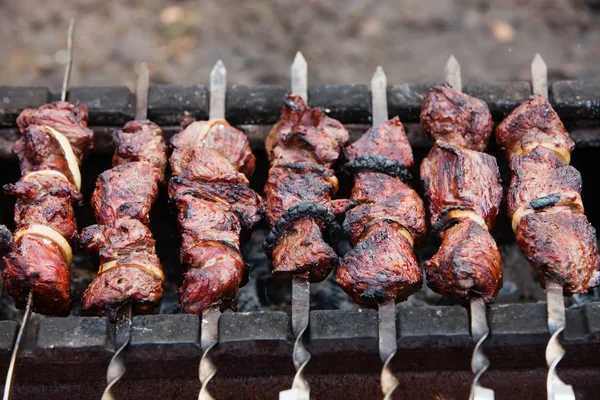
{"x": 54, "y": 139}
{"x": 455, "y": 177}
{"x": 302, "y": 147}
{"x": 467, "y": 264}
{"x": 221, "y": 137}
{"x": 561, "y": 245}
{"x": 129, "y": 269}
{"x": 531, "y": 124}
{"x": 141, "y": 141}
{"x": 215, "y": 205}
{"x": 464, "y": 190}
{"x": 457, "y": 118}
{"x": 68, "y": 119}
{"x": 389, "y": 218}
{"x": 544, "y": 198}
{"x": 127, "y": 190}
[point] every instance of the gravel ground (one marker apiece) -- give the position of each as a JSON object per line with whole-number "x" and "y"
{"x": 343, "y": 41}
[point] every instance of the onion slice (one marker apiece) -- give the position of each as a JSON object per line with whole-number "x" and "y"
{"x": 45, "y": 232}
{"x": 144, "y": 267}
{"x": 69, "y": 155}
{"x": 457, "y": 214}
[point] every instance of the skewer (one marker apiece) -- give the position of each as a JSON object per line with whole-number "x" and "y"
{"x": 300, "y": 283}
{"x": 480, "y": 329}
{"x": 209, "y": 337}
{"x": 556, "y": 388}
{"x": 116, "y": 368}
{"x": 386, "y": 309}
{"x": 27, "y": 316}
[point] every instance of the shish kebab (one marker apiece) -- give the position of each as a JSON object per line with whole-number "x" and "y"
{"x": 547, "y": 215}
{"x": 464, "y": 190}
{"x": 54, "y": 140}
{"x": 381, "y": 269}
{"x": 301, "y": 148}
{"x": 211, "y": 163}
{"x": 130, "y": 277}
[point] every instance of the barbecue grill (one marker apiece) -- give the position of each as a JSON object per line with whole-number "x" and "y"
{"x": 67, "y": 357}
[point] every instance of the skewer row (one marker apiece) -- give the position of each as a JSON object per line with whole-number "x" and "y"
{"x": 210, "y": 323}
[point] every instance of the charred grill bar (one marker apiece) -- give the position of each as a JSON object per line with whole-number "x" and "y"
{"x": 343, "y": 343}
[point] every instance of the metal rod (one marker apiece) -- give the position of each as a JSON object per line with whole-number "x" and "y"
{"x": 387, "y": 309}
{"x": 299, "y": 76}
{"x": 300, "y": 320}
{"x": 478, "y": 311}
{"x": 8, "y": 385}
{"x": 210, "y": 318}
{"x": 218, "y": 89}
{"x": 209, "y": 338}
{"x": 453, "y": 75}
{"x": 141, "y": 93}
{"x": 300, "y": 283}
{"x": 387, "y": 345}
{"x": 480, "y": 330}
{"x": 379, "y": 96}
{"x": 67, "y": 77}
{"x": 556, "y": 388}
{"x": 116, "y": 367}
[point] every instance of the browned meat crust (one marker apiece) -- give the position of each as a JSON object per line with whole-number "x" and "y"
{"x": 302, "y": 147}
{"x": 214, "y": 204}
{"x": 45, "y": 197}
{"x": 389, "y": 218}
{"x": 533, "y": 123}
{"x": 66, "y": 118}
{"x": 464, "y": 190}
{"x": 129, "y": 269}
{"x": 468, "y": 263}
{"x": 457, "y": 118}
{"x": 458, "y": 178}
{"x": 544, "y": 199}
{"x": 141, "y": 141}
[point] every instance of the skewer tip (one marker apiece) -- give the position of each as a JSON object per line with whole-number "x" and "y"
{"x": 219, "y": 72}
{"x": 539, "y": 75}
{"x": 453, "y": 73}
{"x": 299, "y": 60}
{"x": 378, "y": 75}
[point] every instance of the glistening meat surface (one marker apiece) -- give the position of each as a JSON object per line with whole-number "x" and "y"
{"x": 215, "y": 205}
{"x": 389, "y": 218}
{"x": 302, "y": 147}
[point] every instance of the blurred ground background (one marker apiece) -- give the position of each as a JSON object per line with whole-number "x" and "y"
{"x": 343, "y": 41}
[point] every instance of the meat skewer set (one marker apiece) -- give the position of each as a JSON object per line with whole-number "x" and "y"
{"x": 384, "y": 218}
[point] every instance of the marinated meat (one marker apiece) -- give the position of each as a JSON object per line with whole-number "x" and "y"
{"x": 464, "y": 190}
{"x": 302, "y": 147}
{"x": 389, "y": 218}
{"x": 129, "y": 269}
{"x": 54, "y": 139}
{"x": 457, "y": 118}
{"x": 215, "y": 205}
{"x": 544, "y": 199}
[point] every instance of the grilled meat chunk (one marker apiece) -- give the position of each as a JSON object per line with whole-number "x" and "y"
{"x": 389, "y": 218}
{"x": 302, "y": 147}
{"x": 456, "y": 178}
{"x": 127, "y": 190}
{"x": 544, "y": 198}
{"x": 468, "y": 263}
{"x": 54, "y": 139}
{"x": 129, "y": 269}
{"x": 215, "y": 205}
{"x": 534, "y": 123}
{"x": 457, "y": 118}
{"x": 66, "y": 118}
{"x": 464, "y": 191}
{"x": 141, "y": 141}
